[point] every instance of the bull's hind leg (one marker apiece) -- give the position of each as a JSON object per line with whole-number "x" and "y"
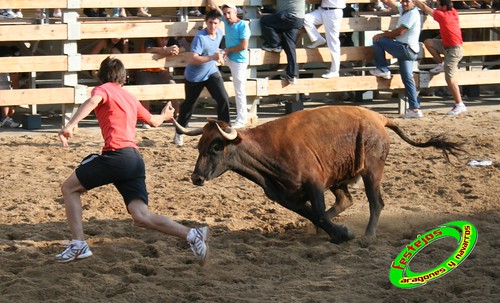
{"x": 343, "y": 200}
{"x": 372, "y": 178}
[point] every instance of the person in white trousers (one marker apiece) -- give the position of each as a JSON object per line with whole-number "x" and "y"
{"x": 330, "y": 14}
{"x": 237, "y": 33}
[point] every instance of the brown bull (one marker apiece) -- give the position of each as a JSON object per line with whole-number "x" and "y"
{"x": 295, "y": 158}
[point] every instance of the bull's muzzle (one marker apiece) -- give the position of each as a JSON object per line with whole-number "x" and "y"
{"x": 197, "y": 180}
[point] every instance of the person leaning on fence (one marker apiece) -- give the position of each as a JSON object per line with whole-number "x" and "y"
{"x": 237, "y": 34}
{"x": 450, "y": 45}
{"x": 402, "y": 43}
{"x": 8, "y": 81}
{"x": 161, "y": 47}
{"x": 330, "y": 14}
{"x": 280, "y": 31}
{"x": 120, "y": 163}
{"x": 202, "y": 71}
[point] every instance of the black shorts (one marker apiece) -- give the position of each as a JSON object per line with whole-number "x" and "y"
{"x": 124, "y": 168}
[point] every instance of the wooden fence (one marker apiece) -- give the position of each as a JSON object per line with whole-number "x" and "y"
{"x": 64, "y": 35}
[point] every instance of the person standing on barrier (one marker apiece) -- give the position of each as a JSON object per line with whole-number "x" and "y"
{"x": 202, "y": 71}
{"x": 280, "y": 31}
{"x": 330, "y": 14}
{"x": 402, "y": 43}
{"x": 450, "y": 45}
{"x": 120, "y": 164}
{"x": 237, "y": 34}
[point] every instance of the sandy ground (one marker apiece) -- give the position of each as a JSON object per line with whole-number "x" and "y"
{"x": 260, "y": 252}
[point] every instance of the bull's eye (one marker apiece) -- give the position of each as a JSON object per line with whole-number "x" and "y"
{"x": 216, "y": 147}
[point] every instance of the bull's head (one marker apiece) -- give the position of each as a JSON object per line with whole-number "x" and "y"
{"x": 212, "y": 148}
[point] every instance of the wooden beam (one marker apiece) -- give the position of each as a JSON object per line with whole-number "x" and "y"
{"x": 59, "y": 95}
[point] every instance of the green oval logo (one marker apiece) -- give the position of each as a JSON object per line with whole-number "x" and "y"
{"x": 400, "y": 273}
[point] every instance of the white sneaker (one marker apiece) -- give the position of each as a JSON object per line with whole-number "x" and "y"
{"x": 19, "y": 15}
{"x": 238, "y": 125}
{"x": 317, "y": 43}
{"x": 72, "y": 253}
{"x": 378, "y": 73}
{"x": 9, "y": 14}
{"x": 330, "y": 75}
{"x": 458, "y": 109}
{"x": 178, "y": 139}
{"x": 439, "y": 68}
{"x": 413, "y": 114}
{"x": 197, "y": 239}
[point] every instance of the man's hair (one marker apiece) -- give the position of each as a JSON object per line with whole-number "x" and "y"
{"x": 213, "y": 14}
{"x": 112, "y": 70}
{"x": 447, "y": 3}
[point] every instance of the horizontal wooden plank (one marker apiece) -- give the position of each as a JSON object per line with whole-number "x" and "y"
{"x": 272, "y": 87}
{"x": 257, "y": 58}
{"x": 96, "y": 28}
{"x": 58, "y": 95}
{"x": 30, "y": 4}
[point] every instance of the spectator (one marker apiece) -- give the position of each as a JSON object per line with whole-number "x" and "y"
{"x": 110, "y": 46}
{"x": 8, "y": 81}
{"x": 161, "y": 47}
{"x": 121, "y": 12}
{"x": 237, "y": 34}
{"x": 330, "y": 14}
{"x": 450, "y": 45}
{"x": 91, "y": 12}
{"x": 402, "y": 43}
{"x": 120, "y": 163}
{"x": 201, "y": 71}
{"x": 280, "y": 30}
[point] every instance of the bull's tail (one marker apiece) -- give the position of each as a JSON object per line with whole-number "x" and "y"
{"x": 438, "y": 141}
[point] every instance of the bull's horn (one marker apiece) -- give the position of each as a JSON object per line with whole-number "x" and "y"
{"x": 231, "y": 135}
{"x": 183, "y": 130}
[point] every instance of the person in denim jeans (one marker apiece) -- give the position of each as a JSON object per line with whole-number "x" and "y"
{"x": 280, "y": 31}
{"x": 402, "y": 43}
{"x": 202, "y": 71}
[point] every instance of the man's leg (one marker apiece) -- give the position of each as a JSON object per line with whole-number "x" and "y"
{"x": 192, "y": 92}
{"x": 311, "y": 20}
{"x": 239, "y": 73}
{"x": 379, "y": 49}
{"x": 406, "y": 70}
{"x": 333, "y": 20}
{"x": 71, "y": 190}
{"x": 196, "y": 237}
{"x": 143, "y": 217}
{"x": 215, "y": 86}
{"x": 430, "y": 45}
{"x": 268, "y": 28}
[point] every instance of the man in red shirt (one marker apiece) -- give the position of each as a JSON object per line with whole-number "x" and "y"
{"x": 450, "y": 45}
{"x": 120, "y": 163}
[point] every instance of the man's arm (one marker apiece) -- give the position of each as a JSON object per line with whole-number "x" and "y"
{"x": 392, "y": 34}
{"x": 391, "y": 4}
{"x": 423, "y": 7}
{"x": 83, "y": 111}
{"x": 237, "y": 48}
{"x": 166, "y": 114}
{"x": 213, "y": 5}
{"x": 197, "y": 59}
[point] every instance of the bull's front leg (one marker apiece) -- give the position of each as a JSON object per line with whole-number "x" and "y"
{"x": 318, "y": 216}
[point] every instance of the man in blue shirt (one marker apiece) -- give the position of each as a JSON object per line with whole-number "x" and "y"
{"x": 237, "y": 34}
{"x": 202, "y": 71}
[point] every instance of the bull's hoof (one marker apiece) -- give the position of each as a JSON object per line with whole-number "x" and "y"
{"x": 345, "y": 235}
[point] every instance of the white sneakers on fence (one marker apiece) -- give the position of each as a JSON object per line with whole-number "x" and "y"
{"x": 439, "y": 68}
{"x": 317, "y": 43}
{"x": 378, "y": 73}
